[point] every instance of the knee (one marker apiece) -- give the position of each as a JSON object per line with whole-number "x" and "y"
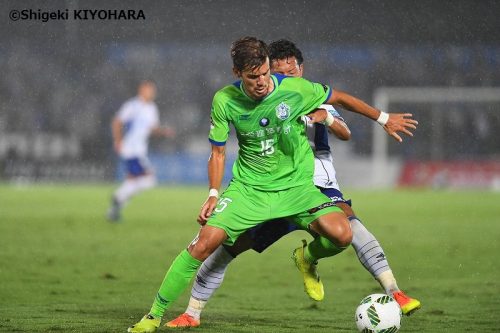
{"x": 338, "y": 230}
{"x": 205, "y": 243}
{"x": 344, "y": 238}
{"x": 201, "y": 249}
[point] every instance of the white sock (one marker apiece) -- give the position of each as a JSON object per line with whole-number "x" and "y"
{"x": 146, "y": 182}
{"x": 195, "y": 307}
{"x": 371, "y": 255}
{"x": 208, "y": 280}
{"x": 388, "y": 282}
{"x": 125, "y": 191}
{"x": 132, "y": 186}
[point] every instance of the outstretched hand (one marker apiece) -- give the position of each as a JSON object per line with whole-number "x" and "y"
{"x": 400, "y": 123}
{"x": 168, "y": 132}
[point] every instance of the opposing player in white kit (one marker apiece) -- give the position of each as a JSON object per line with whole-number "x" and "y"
{"x": 287, "y": 59}
{"x": 136, "y": 120}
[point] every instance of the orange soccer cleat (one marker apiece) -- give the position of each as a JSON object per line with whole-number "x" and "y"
{"x": 184, "y": 320}
{"x": 408, "y": 305}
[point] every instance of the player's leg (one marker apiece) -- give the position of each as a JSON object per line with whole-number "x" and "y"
{"x": 132, "y": 186}
{"x": 322, "y": 247}
{"x": 234, "y": 214}
{"x": 371, "y": 255}
{"x": 336, "y": 236}
{"x": 335, "y": 227}
{"x": 369, "y": 252}
{"x": 212, "y": 271}
{"x": 179, "y": 275}
{"x": 208, "y": 279}
{"x": 139, "y": 178}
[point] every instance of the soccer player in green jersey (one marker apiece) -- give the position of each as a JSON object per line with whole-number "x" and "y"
{"x": 287, "y": 59}
{"x": 272, "y": 176}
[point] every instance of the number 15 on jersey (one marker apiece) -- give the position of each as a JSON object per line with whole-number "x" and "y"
{"x": 267, "y": 147}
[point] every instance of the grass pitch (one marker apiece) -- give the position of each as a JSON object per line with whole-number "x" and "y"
{"x": 63, "y": 268}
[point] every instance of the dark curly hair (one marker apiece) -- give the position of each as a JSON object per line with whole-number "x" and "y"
{"x": 282, "y": 49}
{"x": 248, "y": 53}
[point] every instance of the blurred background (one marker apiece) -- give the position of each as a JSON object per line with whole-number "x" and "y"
{"x": 63, "y": 80}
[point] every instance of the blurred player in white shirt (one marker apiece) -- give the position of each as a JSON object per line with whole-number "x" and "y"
{"x": 136, "y": 120}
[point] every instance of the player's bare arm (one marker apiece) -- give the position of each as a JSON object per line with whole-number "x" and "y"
{"x": 290, "y": 66}
{"x": 117, "y": 132}
{"x": 337, "y": 127}
{"x": 166, "y": 132}
{"x": 340, "y": 129}
{"x": 396, "y": 122}
{"x": 216, "y": 164}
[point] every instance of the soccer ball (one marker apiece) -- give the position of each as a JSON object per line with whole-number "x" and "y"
{"x": 378, "y": 313}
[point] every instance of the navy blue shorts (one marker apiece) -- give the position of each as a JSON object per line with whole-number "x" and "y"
{"x": 136, "y": 166}
{"x": 266, "y": 234}
{"x": 335, "y": 195}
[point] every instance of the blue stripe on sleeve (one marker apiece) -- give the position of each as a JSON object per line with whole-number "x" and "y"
{"x": 329, "y": 95}
{"x": 217, "y": 143}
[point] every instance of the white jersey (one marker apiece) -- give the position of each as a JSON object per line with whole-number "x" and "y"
{"x": 139, "y": 119}
{"x": 324, "y": 172}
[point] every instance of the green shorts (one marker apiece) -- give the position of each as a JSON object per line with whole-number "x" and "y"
{"x": 241, "y": 207}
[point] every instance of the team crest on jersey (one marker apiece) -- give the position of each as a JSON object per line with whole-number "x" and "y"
{"x": 264, "y": 122}
{"x": 282, "y": 111}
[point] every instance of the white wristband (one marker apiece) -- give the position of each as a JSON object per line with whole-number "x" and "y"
{"x": 330, "y": 119}
{"x": 383, "y": 118}
{"x": 213, "y": 193}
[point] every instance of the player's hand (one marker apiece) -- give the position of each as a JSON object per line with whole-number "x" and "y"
{"x": 317, "y": 116}
{"x": 168, "y": 132}
{"x": 400, "y": 123}
{"x": 206, "y": 210}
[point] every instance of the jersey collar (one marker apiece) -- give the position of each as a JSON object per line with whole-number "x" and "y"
{"x": 275, "y": 84}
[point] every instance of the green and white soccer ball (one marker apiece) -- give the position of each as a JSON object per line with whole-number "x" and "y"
{"x": 378, "y": 313}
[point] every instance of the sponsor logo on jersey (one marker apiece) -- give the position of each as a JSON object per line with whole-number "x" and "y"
{"x": 269, "y": 131}
{"x": 282, "y": 111}
{"x": 212, "y": 125}
{"x": 264, "y": 122}
{"x": 320, "y": 207}
{"x": 249, "y": 134}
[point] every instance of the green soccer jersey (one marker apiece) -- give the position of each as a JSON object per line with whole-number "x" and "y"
{"x": 274, "y": 153}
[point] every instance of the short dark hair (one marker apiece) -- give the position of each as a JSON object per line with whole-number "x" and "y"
{"x": 282, "y": 49}
{"x": 248, "y": 53}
